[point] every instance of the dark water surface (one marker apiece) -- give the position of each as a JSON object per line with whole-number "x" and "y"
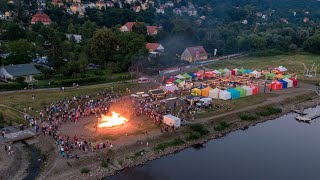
{"x": 280, "y": 149}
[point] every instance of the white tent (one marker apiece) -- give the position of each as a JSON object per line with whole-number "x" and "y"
{"x": 225, "y": 95}
{"x": 171, "y": 120}
{"x": 227, "y": 72}
{"x": 214, "y": 93}
{"x": 169, "y": 88}
{"x": 235, "y": 71}
{"x": 289, "y": 81}
{"x": 248, "y": 89}
{"x": 217, "y": 72}
{"x": 179, "y": 76}
{"x": 282, "y": 69}
{"x": 256, "y": 74}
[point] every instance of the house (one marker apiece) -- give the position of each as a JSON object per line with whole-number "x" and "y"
{"x": 127, "y": 27}
{"x": 169, "y": 4}
{"x": 77, "y": 8}
{"x": 152, "y": 30}
{"x": 145, "y": 6}
{"x": 136, "y": 8}
{"x": 76, "y": 37}
{"x": 177, "y": 11}
{"x": 160, "y": 10}
{"x": 192, "y": 12}
{"x": 192, "y": 54}
{"x": 155, "y": 47}
{"x": 101, "y": 4}
{"x": 11, "y": 72}
{"x": 58, "y": 3}
{"x": 41, "y": 17}
{"x": 110, "y": 4}
{"x": 2, "y": 15}
{"x": 305, "y": 20}
{"x": 76, "y": 1}
{"x": 89, "y": 5}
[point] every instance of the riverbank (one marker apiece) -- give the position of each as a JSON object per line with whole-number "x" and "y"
{"x": 128, "y": 157}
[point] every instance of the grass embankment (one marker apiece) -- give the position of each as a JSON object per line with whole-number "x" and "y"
{"x": 8, "y": 116}
{"x": 292, "y": 62}
{"x": 260, "y": 112}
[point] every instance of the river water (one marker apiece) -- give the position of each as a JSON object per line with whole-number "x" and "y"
{"x": 278, "y": 149}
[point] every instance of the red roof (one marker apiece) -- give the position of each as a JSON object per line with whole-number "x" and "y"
{"x": 152, "y": 29}
{"x": 197, "y": 51}
{"x": 129, "y": 25}
{"x": 152, "y": 46}
{"x": 41, "y": 17}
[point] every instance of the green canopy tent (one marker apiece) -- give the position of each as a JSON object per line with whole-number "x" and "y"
{"x": 241, "y": 71}
{"x": 242, "y": 91}
{"x": 178, "y": 81}
{"x": 221, "y": 71}
{"x": 187, "y": 76}
{"x": 287, "y": 76}
{"x": 270, "y": 76}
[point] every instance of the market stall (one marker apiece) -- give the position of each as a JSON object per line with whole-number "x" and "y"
{"x": 235, "y": 94}
{"x": 205, "y": 91}
{"x": 249, "y": 90}
{"x": 225, "y": 95}
{"x": 214, "y": 93}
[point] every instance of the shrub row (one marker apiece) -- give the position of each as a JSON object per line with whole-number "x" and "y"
{"x": 11, "y": 86}
{"x": 222, "y": 126}
{"x": 247, "y": 117}
{"x": 163, "y": 146}
{"x": 269, "y": 111}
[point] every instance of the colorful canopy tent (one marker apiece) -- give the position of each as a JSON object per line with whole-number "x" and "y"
{"x": 209, "y": 74}
{"x": 194, "y": 76}
{"x": 255, "y": 74}
{"x": 243, "y": 92}
{"x": 196, "y": 92}
{"x": 254, "y": 88}
{"x": 221, "y": 71}
{"x": 234, "y": 71}
{"x": 249, "y": 90}
{"x": 187, "y": 76}
{"x": 170, "y": 80}
{"x": 270, "y": 76}
{"x": 275, "y": 85}
{"x": 169, "y": 88}
{"x": 200, "y": 74}
{"x": 216, "y": 71}
{"x": 247, "y": 71}
{"x": 282, "y": 69}
{"x": 180, "y": 82}
{"x": 287, "y": 76}
{"x": 214, "y": 93}
{"x": 284, "y": 83}
{"x": 294, "y": 82}
{"x": 227, "y": 72}
{"x": 201, "y": 86}
{"x": 241, "y": 71}
{"x": 234, "y": 93}
{"x": 278, "y": 76}
{"x": 225, "y": 95}
{"x": 189, "y": 85}
{"x": 289, "y": 81}
{"x": 205, "y": 91}
{"x": 179, "y": 76}
{"x": 231, "y": 78}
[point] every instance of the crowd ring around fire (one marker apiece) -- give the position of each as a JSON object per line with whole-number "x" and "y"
{"x": 195, "y": 89}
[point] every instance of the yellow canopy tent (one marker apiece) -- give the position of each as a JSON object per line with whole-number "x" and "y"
{"x": 196, "y": 92}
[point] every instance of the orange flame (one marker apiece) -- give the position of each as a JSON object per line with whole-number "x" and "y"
{"x": 114, "y": 120}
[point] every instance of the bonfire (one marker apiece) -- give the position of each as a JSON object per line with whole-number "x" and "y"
{"x": 110, "y": 121}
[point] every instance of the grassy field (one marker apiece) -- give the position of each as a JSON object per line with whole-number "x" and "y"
{"x": 292, "y": 62}
{"x": 11, "y": 116}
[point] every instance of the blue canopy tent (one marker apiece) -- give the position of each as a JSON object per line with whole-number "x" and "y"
{"x": 284, "y": 83}
{"x": 201, "y": 86}
{"x": 193, "y": 75}
{"x": 234, "y": 93}
{"x": 248, "y": 71}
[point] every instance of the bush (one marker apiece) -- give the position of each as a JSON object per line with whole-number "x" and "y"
{"x": 163, "y": 146}
{"x": 269, "y": 111}
{"x": 222, "y": 126}
{"x": 199, "y": 128}
{"x": 247, "y": 117}
{"x": 104, "y": 164}
{"x": 84, "y": 170}
{"x": 193, "y": 136}
{"x": 11, "y": 86}
{"x": 1, "y": 120}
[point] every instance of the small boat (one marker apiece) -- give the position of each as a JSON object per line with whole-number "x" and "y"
{"x": 303, "y": 118}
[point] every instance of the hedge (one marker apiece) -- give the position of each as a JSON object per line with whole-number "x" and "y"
{"x": 11, "y": 86}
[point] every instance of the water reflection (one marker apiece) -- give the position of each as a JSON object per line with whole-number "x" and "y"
{"x": 278, "y": 149}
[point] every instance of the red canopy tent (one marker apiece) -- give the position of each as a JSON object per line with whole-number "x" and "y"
{"x": 275, "y": 85}
{"x": 200, "y": 74}
{"x": 209, "y": 74}
{"x": 170, "y": 80}
{"x": 295, "y": 82}
{"x": 255, "y": 89}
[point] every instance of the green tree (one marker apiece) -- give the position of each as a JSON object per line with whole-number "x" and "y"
{"x": 21, "y": 51}
{"x": 54, "y": 51}
{"x": 312, "y": 44}
{"x": 103, "y": 46}
{"x": 72, "y": 29}
{"x": 88, "y": 29}
{"x": 139, "y": 28}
